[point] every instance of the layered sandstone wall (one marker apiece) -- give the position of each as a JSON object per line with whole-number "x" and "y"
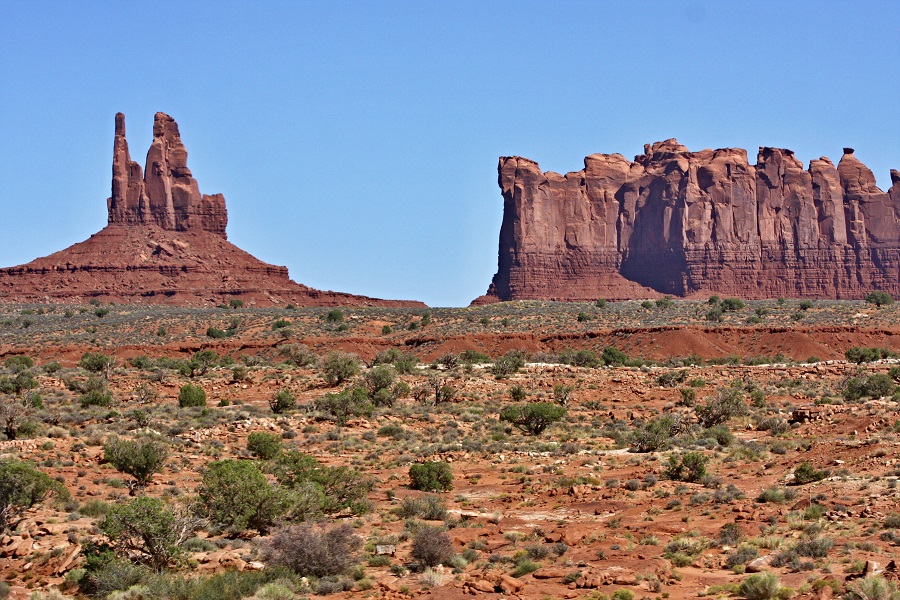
{"x": 696, "y": 223}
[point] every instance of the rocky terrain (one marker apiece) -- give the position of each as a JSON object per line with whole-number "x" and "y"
{"x": 693, "y": 224}
{"x": 165, "y": 244}
{"x": 690, "y": 449}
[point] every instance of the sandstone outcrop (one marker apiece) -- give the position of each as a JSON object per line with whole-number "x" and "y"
{"x": 693, "y": 224}
{"x": 165, "y": 243}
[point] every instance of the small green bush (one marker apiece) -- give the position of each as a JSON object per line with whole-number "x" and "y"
{"x": 533, "y": 417}
{"x": 879, "y": 298}
{"x": 235, "y": 495}
{"x": 264, "y": 445}
{"x": 760, "y": 586}
{"x": 282, "y": 401}
{"x": 806, "y": 473}
{"x": 139, "y": 458}
{"x": 689, "y": 467}
{"x": 431, "y": 476}
{"x": 191, "y": 395}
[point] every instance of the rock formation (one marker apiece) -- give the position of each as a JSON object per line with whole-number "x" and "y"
{"x": 693, "y": 224}
{"x": 165, "y": 243}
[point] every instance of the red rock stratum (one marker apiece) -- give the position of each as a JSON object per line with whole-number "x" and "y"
{"x": 165, "y": 244}
{"x": 692, "y": 224}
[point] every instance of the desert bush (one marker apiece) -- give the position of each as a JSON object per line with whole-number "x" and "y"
{"x": 508, "y": 364}
{"x": 806, "y": 473}
{"x": 432, "y": 546}
{"x": 760, "y": 586}
{"x": 139, "y": 458}
{"x": 22, "y": 486}
{"x": 345, "y": 404}
{"x": 145, "y": 531}
{"x": 741, "y": 556}
{"x": 298, "y": 354}
{"x": 655, "y": 434}
{"x": 814, "y": 547}
{"x": 338, "y": 487}
{"x": 235, "y": 495}
{"x": 562, "y": 393}
{"x": 873, "y": 587}
{"x": 432, "y": 476}
{"x": 581, "y": 358}
{"x": 875, "y": 385}
{"x": 879, "y": 298}
{"x": 402, "y": 362}
{"x": 689, "y": 467}
{"x": 216, "y": 333}
{"x": 191, "y": 395}
{"x": 430, "y": 507}
{"x": 719, "y": 408}
{"x": 101, "y": 397}
{"x": 264, "y": 445}
{"x": 613, "y": 357}
{"x": 731, "y": 304}
{"x": 314, "y": 551}
{"x": 97, "y": 363}
{"x": 533, "y": 417}
{"x": 338, "y": 367}
{"x": 859, "y": 354}
{"x": 202, "y": 361}
{"x": 671, "y": 379}
{"x": 282, "y": 401}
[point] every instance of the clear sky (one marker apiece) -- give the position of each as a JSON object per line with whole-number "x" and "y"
{"x": 357, "y": 142}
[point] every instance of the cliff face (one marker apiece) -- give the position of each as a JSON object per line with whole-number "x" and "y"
{"x": 696, "y": 223}
{"x": 165, "y": 244}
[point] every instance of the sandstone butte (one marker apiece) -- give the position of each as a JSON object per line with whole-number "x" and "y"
{"x": 694, "y": 224}
{"x": 165, "y": 243}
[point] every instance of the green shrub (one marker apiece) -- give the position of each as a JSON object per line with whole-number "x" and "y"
{"x": 97, "y": 363}
{"x": 879, "y": 298}
{"x": 873, "y": 587}
{"x": 18, "y": 363}
{"x": 191, "y": 395}
{"x": 875, "y": 385}
{"x": 335, "y": 315}
{"x": 508, "y": 364}
{"x": 623, "y": 594}
{"x": 671, "y": 379}
{"x": 216, "y": 333}
{"x": 345, "y": 404}
{"x": 101, "y": 397}
{"x": 334, "y": 488}
{"x": 429, "y": 507}
{"x": 582, "y": 358}
{"x": 235, "y": 495}
{"x": 264, "y": 445}
{"x": 337, "y": 367}
{"x": 859, "y": 354}
{"x": 689, "y": 467}
{"x": 432, "y": 476}
{"x": 760, "y": 586}
{"x": 731, "y": 305}
{"x": 655, "y": 435}
{"x": 282, "y": 401}
{"x": 298, "y": 354}
{"x": 533, "y": 417}
{"x": 806, "y": 473}
{"x": 146, "y": 531}
{"x": 22, "y": 487}
{"x": 725, "y": 404}
{"x": 613, "y": 357}
{"x": 139, "y": 458}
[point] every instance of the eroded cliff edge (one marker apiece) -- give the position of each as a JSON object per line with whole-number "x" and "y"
{"x": 691, "y": 224}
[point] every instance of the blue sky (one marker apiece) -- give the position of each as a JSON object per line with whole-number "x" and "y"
{"x": 357, "y": 142}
